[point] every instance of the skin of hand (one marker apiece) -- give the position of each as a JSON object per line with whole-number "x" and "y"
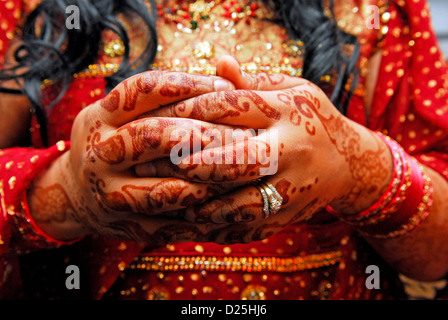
{"x": 323, "y": 157}
{"x": 92, "y": 188}
{"x": 315, "y": 141}
{"x": 309, "y": 119}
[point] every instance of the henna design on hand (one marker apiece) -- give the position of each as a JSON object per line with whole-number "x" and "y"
{"x": 173, "y": 84}
{"x": 143, "y": 136}
{"x": 240, "y": 213}
{"x": 283, "y": 187}
{"x": 112, "y": 101}
{"x": 112, "y": 200}
{"x": 50, "y": 204}
{"x": 143, "y": 85}
{"x": 290, "y": 97}
{"x": 171, "y": 233}
{"x": 111, "y": 151}
{"x": 178, "y": 84}
{"x": 309, "y": 208}
{"x": 275, "y": 79}
{"x": 365, "y": 166}
{"x": 229, "y": 168}
{"x": 191, "y": 200}
{"x": 157, "y": 196}
{"x": 227, "y": 104}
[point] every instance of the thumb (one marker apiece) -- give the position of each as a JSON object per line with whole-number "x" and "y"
{"x": 227, "y": 67}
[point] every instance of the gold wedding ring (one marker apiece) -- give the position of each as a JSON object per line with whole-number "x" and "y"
{"x": 272, "y": 200}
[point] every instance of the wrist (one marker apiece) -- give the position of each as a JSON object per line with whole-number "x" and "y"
{"x": 403, "y": 206}
{"x": 50, "y": 204}
{"x": 368, "y": 173}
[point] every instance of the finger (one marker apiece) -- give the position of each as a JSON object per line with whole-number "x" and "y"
{"x": 245, "y": 108}
{"x": 152, "y": 196}
{"x": 150, "y": 90}
{"x": 148, "y": 139}
{"x": 157, "y": 230}
{"x": 227, "y": 67}
{"x": 242, "y": 161}
{"x": 241, "y": 206}
{"x": 152, "y": 138}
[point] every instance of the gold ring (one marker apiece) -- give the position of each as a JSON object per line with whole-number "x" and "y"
{"x": 272, "y": 200}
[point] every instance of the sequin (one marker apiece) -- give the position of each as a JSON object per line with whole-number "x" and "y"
{"x": 115, "y": 48}
{"x": 158, "y": 293}
{"x": 254, "y": 292}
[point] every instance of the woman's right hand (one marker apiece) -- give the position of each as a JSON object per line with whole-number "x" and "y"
{"x": 93, "y": 188}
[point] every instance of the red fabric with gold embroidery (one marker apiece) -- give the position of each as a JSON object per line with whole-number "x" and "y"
{"x": 410, "y": 104}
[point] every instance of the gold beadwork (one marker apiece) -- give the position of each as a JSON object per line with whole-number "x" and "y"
{"x": 236, "y": 263}
{"x": 60, "y": 145}
{"x": 108, "y": 69}
{"x": 254, "y": 292}
{"x": 34, "y": 159}
{"x": 9, "y": 165}
{"x": 324, "y": 289}
{"x": 203, "y": 50}
{"x": 210, "y": 69}
{"x": 12, "y": 182}
{"x": 115, "y": 48}
{"x": 98, "y": 70}
{"x": 122, "y": 266}
{"x": 294, "y": 48}
{"x": 2, "y": 199}
{"x": 158, "y": 293}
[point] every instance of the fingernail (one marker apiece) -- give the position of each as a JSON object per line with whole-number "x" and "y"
{"x": 221, "y": 85}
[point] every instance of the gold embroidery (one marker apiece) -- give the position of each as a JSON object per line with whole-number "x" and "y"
{"x": 12, "y": 182}
{"x": 2, "y": 199}
{"x": 203, "y": 50}
{"x": 254, "y": 292}
{"x": 158, "y": 293}
{"x": 262, "y": 51}
{"x": 236, "y": 263}
{"x": 115, "y": 48}
{"x": 106, "y": 70}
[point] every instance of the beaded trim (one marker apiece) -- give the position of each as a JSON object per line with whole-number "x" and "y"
{"x": 422, "y": 210}
{"x": 236, "y": 263}
{"x": 108, "y": 69}
{"x": 394, "y": 196}
{"x": 28, "y": 230}
{"x": 210, "y": 69}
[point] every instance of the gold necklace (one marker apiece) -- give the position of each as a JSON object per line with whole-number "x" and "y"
{"x": 191, "y": 15}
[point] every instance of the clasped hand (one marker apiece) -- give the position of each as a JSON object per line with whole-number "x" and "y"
{"x": 123, "y": 183}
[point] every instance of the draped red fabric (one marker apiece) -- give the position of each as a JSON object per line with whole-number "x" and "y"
{"x": 410, "y": 105}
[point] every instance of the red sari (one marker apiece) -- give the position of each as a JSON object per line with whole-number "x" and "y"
{"x": 321, "y": 259}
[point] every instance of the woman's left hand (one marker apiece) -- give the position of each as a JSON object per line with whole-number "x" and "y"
{"x": 317, "y": 157}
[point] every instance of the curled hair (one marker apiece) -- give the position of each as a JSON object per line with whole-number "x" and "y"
{"x": 51, "y": 51}
{"x": 324, "y": 45}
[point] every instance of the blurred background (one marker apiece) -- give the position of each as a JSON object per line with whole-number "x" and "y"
{"x": 439, "y": 9}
